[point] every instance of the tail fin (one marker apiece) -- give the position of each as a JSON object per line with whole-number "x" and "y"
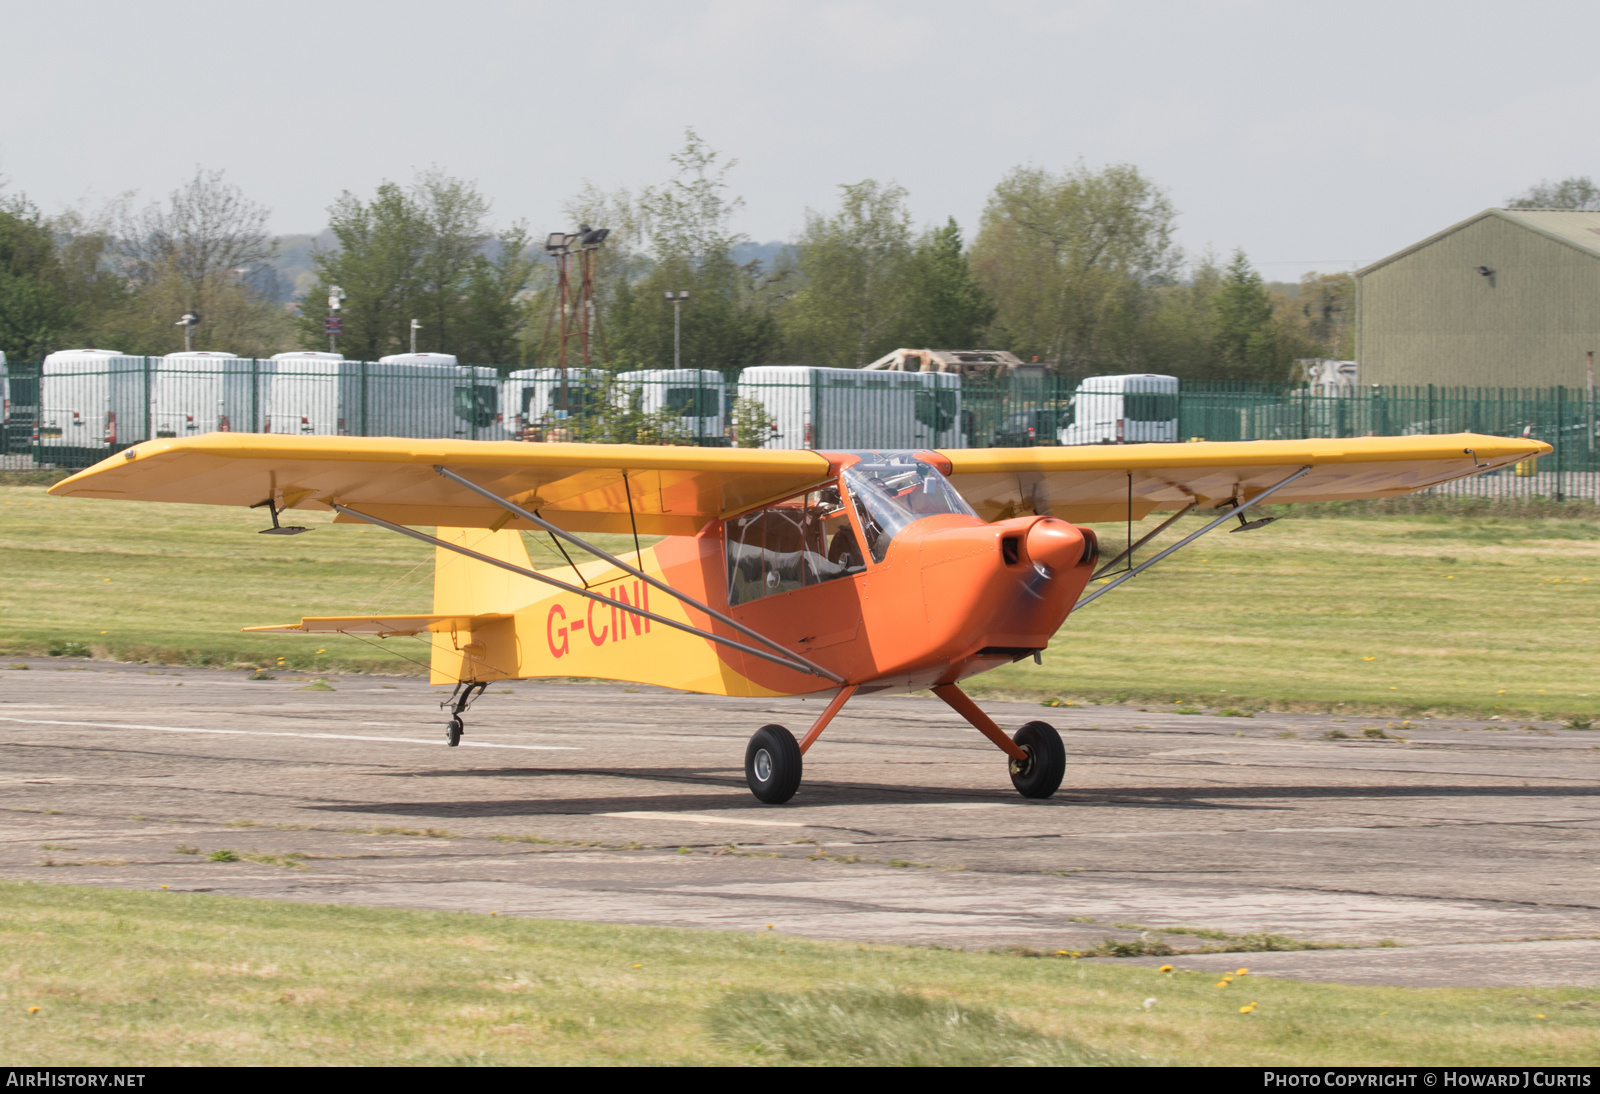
{"x": 467, "y": 587}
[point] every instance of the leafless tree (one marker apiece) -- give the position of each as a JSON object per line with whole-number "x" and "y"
{"x": 206, "y": 232}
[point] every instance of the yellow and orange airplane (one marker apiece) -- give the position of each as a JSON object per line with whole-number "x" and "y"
{"x": 782, "y": 572}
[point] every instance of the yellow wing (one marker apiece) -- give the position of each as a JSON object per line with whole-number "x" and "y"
{"x": 581, "y": 487}
{"x": 1093, "y": 482}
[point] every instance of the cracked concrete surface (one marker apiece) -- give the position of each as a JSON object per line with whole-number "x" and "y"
{"x": 1469, "y": 844}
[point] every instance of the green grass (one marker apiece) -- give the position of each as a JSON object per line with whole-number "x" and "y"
{"x": 134, "y": 978}
{"x": 1446, "y": 609}
{"x": 174, "y": 584}
{"x": 1401, "y": 613}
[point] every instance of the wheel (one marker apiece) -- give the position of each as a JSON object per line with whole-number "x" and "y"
{"x": 772, "y": 764}
{"x": 453, "y": 732}
{"x": 1046, "y": 765}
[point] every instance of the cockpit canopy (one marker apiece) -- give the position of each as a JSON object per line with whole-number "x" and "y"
{"x": 892, "y": 489}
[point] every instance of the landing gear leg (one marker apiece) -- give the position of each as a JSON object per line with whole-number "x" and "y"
{"x": 1038, "y": 758}
{"x": 466, "y": 691}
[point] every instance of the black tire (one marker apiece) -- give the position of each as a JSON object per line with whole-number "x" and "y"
{"x": 772, "y": 764}
{"x": 1046, "y": 766}
{"x": 453, "y": 731}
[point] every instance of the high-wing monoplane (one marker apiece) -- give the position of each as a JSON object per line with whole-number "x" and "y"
{"x": 781, "y": 572}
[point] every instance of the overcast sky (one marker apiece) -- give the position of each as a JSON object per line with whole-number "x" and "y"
{"x": 1312, "y": 135}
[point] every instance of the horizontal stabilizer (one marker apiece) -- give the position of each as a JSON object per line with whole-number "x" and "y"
{"x": 385, "y": 626}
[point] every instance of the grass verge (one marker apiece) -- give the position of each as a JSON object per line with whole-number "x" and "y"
{"x": 98, "y": 977}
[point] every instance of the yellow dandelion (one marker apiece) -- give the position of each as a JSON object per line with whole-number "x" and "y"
{"x": 34, "y": 1010}
{"x": 1165, "y": 968}
{"x": 1061, "y": 953}
{"x": 322, "y": 651}
{"x": 1538, "y": 1016}
{"x": 1247, "y": 1010}
{"x": 769, "y": 926}
{"x": 638, "y": 966}
{"x": 105, "y": 632}
{"x": 1241, "y": 972}
{"x": 1223, "y": 983}
{"x": 494, "y": 913}
{"x": 163, "y": 886}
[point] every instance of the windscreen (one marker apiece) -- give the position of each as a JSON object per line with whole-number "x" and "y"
{"x": 891, "y": 490}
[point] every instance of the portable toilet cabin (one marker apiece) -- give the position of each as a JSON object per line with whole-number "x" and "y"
{"x": 431, "y": 395}
{"x": 309, "y": 394}
{"x": 538, "y": 402}
{"x": 1132, "y": 409}
{"x": 92, "y": 401}
{"x": 694, "y": 396}
{"x": 205, "y": 391}
{"x": 848, "y": 408}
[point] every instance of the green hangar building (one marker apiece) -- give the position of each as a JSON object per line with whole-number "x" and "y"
{"x": 1509, "y": 298}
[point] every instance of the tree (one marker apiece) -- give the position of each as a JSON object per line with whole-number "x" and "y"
{"x": 56, "y": 284}
{"x": 1245, "y": 338}
{"x": 946, "y": 307}
{"x": 201, "y": 251}
{"x": 855, "y": 297}
{"x": 424, "y": 252}
{"x": 1577, "y": 192}
{"x": 1071, "y": 262}
{"x": 675, "y": 236}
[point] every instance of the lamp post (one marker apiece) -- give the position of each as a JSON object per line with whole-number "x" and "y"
{"x": 189, "y": 321}
{"x": 677, "y": 297}
{"x": 415, "y": 327}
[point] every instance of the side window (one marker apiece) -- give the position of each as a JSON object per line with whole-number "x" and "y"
{"x": 802, "y": 541}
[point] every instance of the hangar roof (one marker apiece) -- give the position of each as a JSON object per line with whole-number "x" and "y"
{"x": 1579, "y": 229}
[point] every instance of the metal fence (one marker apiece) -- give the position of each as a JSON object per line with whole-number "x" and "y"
{"x": 70, "y": 413}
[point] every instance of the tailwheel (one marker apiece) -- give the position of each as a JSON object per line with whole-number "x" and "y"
{"x": 1041, "y": 773}
{"x": 452, "y": 733}
{"x": 772, "y": 764}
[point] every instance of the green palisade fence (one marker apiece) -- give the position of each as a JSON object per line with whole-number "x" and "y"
{"x": 69, "y": 421}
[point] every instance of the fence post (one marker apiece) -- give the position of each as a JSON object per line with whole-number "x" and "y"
{"x": 362, "y": 421}
{"x": 1561, "y": 430}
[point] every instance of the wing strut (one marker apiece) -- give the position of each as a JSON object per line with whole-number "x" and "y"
{"x": 1162, "y": 527}
{"x": 790, "y": 661}
{"x": 1191, "y": 537}
{"x": 536, "y": 519}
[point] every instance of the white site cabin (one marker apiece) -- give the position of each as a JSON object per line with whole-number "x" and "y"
{"x": 429, "y": 395}
{"x": 848, "y": 408}
{"x": 304, "y": 394}
{"x": 204, "y": 391}
{"x": 695, "y": 395}
{"x": 1130, "y": 409}
{"x": 92, "y": 399}
{"x": 533, "y": 397}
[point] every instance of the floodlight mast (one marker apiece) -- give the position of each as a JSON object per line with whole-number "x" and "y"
{"x": 574, "y": 318}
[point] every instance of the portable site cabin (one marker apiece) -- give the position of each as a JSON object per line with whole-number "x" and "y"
{"x": 694, "y": 395}
{"x": 1131, "y": 409}
{"x": 204, "y": 391}
{"x": 92, "y": 400}
{"x": 848, "y": 408}
{"x": 428, "y": 395}
{"x": 534, "y": 400}
{"x": 307, "y": 394}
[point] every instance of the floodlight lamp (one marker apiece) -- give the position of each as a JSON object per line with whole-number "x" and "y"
{"x": 555, "y": 242}
{"x": 593, "y": 237}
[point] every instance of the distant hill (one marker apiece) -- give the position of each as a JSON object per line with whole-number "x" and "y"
{"x": 293, "y": 265}
{"x": 768, "y": 254}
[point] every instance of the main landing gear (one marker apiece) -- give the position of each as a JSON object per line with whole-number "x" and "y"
{"x": 773, "y": 759}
